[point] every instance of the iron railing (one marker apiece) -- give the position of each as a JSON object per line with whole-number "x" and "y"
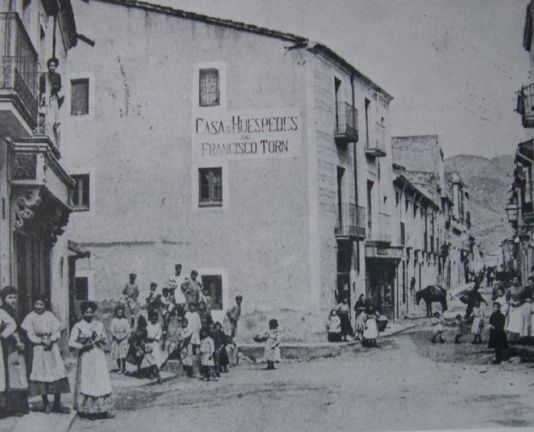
{"x": 346, "y": 122}
{"x": 350, "y": 221}
{"x": 378, "y": 145}
{"x": 19, "y": 60}
{"x": 525, "y": 104}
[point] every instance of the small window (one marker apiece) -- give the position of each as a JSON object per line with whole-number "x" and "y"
{"x": 209, "y": 93}
{"x": 79, "y": 97}
{"x": 210, "y": 187}
{"x": 81, "y": 288}
{"x": 214, "y": 285}
{"x": 80, "y": 196}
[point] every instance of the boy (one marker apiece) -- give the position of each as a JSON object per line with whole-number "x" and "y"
{"x": 459, "y": 328}
{"x": 497, "y": 335}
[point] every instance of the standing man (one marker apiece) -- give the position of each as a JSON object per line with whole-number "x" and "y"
{"x": 232, "y": 317}
{"x": 192, "y": 289}
{"x": 176, "y": 280}
{"x": 131, "y": 293}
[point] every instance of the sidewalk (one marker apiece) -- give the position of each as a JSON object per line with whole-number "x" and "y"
{"x": 311, "y": 350}
{"x": 41, "y": 422}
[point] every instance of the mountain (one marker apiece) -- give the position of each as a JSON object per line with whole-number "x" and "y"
{"x": 488, "y": 182}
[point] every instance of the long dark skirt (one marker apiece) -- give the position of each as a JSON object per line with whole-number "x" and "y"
{"x": 346, "y": 328}
{"x": 13, "y": 402}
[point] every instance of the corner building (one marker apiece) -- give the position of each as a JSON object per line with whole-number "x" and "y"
{"x": 238, "y": 151}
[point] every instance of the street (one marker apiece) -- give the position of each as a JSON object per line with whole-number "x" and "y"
{"x": 406, "y": 383}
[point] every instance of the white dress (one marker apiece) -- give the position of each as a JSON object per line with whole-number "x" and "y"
{"x": 207, "y": 348}
{"x": 272, "y": 345}
{"x": 154, "y": 334}
{"x": 8, "y": 326}
{"x": 93, "y": 385}
{"x": 47, "y": 364}
{"x": 371, "y": 329}
{"x": 120, "y": 330}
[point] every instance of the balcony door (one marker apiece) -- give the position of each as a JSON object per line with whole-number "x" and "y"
{"x": 340, "y": 194}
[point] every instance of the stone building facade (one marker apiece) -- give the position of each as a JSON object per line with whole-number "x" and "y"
{"x": 34, "y": 185}
{"x": 256, "y": 157}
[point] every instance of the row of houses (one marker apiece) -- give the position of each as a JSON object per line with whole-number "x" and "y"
{"x": 518, "y": 250}
{"x": 261, "y": 159}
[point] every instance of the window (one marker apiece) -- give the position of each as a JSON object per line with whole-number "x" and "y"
{"x": 214, "y": 285}
{"x": 80, "y": 196}
{"x": 210, "y": 187}
{"x": 209, "y": 92}
{"x": 79, "y": 97}
{"x": 81, "y": 288}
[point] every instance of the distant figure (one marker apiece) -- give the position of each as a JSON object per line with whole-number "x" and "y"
{"x": 343, "y": 312}
{"x": 477, "y": 315}
{"x": 334, "y": 327}
{"x": 517, "y": 326}
{"x": 120, "y": 332}
{"x": 459, "y": 322}
{"x": 272, "y": 344}
{"x": 370, "y": 332}
{"x": 437, "y": 328}
{"x": 232, "y": 317}
{"x": 497, "y": 335}
{"x": 131, "y": 294}
{"x": 359, "y": 309}
{"x": 207, "y": 351}
{"x": 176, "y": 280}
{"x": 472, "y": 297}
{"x": 192, "y": 289}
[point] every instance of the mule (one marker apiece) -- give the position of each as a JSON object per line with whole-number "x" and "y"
{"x": 431, "y": 294}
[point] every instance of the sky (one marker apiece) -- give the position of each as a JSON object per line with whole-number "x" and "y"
{"x": 452, "y": 66}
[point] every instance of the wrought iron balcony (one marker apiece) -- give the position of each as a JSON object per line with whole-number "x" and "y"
{"x": 346, "y": 123}
{"x": 350, "y": 222}
{"x": 377, "y": 147}
{"x": 18, "y": 70}
{"x": 525, "y": 105}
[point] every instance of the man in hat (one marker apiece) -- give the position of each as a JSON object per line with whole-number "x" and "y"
{"x": 131, "y": 293}
{"x": 176, "y": 280}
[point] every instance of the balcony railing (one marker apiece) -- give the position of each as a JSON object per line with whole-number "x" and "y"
{"x": 525, "y": 105}
{"x": 350, "y": 222}
{"x": 18, "y": 74}
{"x": 346, "y": 123}
{"x": 377, "y": 147}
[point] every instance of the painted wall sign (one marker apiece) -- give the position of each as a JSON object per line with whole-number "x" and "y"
{"x": 253, "y": 134}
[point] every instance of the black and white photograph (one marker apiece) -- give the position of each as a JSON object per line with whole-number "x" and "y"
{"x": 266, "y": 215}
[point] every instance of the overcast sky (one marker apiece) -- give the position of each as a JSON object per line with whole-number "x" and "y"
{"x": 452, "y": 66}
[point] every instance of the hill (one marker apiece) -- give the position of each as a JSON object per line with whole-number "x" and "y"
{"x": 488, "y": 182}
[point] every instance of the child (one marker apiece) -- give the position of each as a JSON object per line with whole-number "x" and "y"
{"x": 370, "y": 332}
{"x": 459, "y": 328}
{"x": 186, "y": 348}
{"x": 207, "y": 349}
{"x": 137, "y": 341}
{"x": 334, "y": 327}
{"x": 497, "y": 335}
{"x": 437, "y": 328}
{"x": 195, "y": 325}
{"x": 152, "y": 358}
{"x": 478, "y": 323}
{"x": 272, "y": 344}
{"x": 206, "y": 298}
{"x": 221, "y": 356}
{"x": 120, "y": 331}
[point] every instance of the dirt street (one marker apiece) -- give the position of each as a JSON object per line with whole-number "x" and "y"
{"x": 405, "y": 383}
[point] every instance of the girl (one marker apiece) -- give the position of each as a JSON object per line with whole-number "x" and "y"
{"x": 370, "y": 332}
{"x": 207, "y": 349}
{"x": 272, "y": 344}
{"x": 478, "y": 323}
{"x": 204, "y": 315}
{"x": 92, "y": 390}
{"x": 359, "y": 309}
{"x": 137, "y": 341}
{"x": 459, "y": 328}
{"x": 48, "y": 375}
{"x": 152, "y": 358}
{"x": 497, "y": 335}
{"x": 334, "y": 327}
{"x": 193, "y": 320}
{"x": 120, "y": 331}
{"x": 186, "y": 348}
{"x": 14, "y": 401}
{"x": 221, "y": 356}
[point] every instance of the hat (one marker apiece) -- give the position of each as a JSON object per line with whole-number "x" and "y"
{"x": 88, "y": 305}
{"x": 133, "y": 274}
{"x": 8, "y": 290}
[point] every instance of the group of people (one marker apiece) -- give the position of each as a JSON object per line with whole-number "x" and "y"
{"x": 366, "y": 327}
{"x": 176, "y": 323}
